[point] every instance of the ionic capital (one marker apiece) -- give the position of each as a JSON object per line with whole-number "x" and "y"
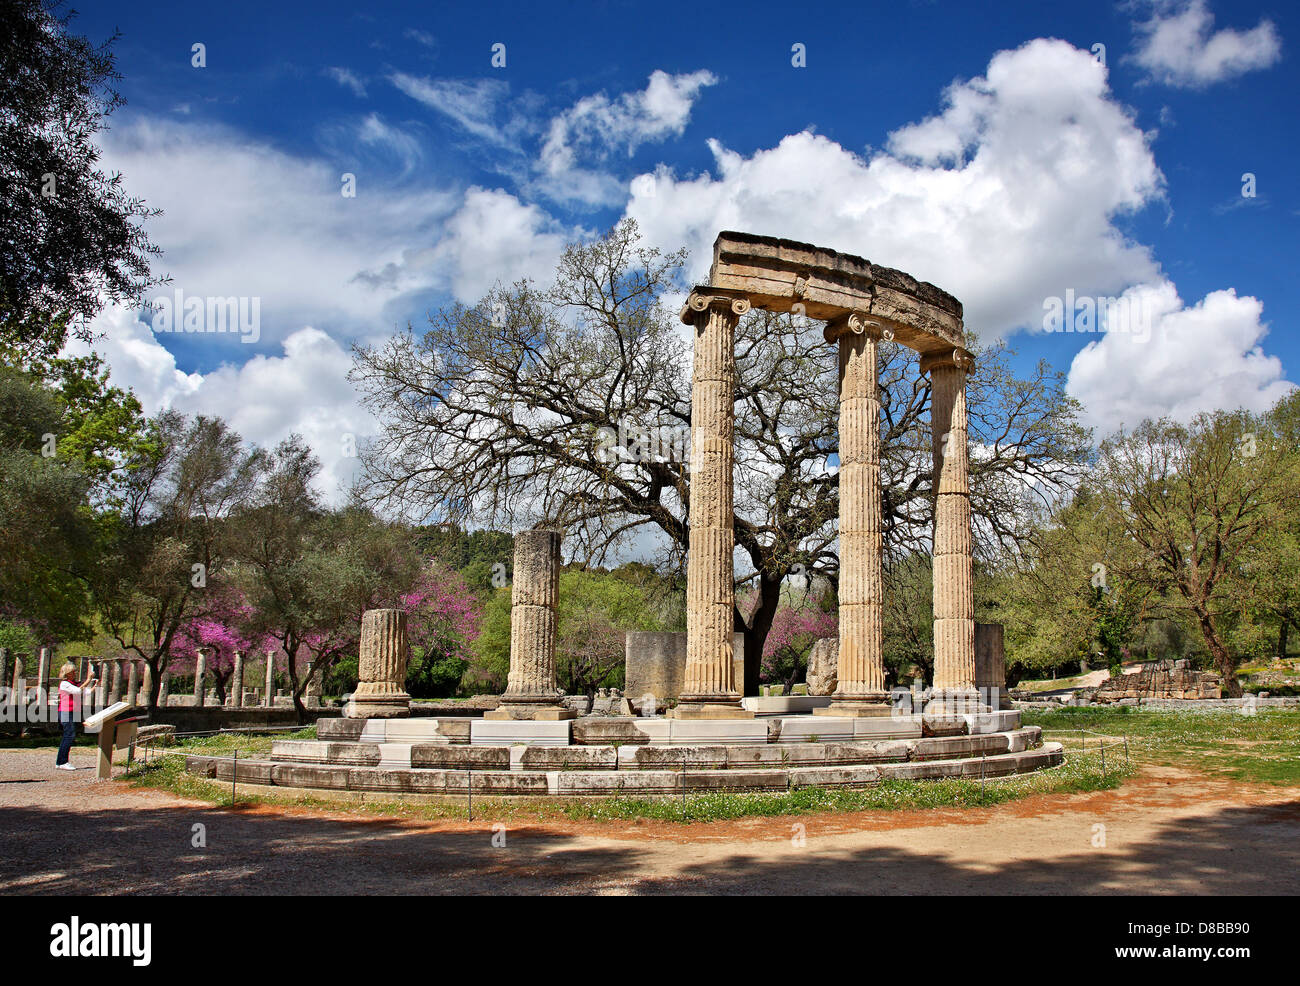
{"x": 702, "y": 301}
{"x": 947, "y": 359}
{"x": 854, "y": 323}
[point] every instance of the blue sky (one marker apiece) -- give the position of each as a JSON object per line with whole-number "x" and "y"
{"x": 979, "y": 146}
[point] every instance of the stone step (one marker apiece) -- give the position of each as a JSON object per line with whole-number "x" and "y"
{"x": 652, "y": 731}
{"x": 649, "y": 757}
{"x": 584, "y": 783}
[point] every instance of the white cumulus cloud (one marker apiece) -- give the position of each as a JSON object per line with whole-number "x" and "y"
{"x": 1183, "y": 361}
{"x": 266, "y": 399}
{"x": 1179, "y": 46}
{"x": 1009, "y": 195}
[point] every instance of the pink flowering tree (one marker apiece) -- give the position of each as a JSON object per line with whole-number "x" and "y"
{"x": 443, "y": 617}
{"x": 221, "y": 628}
{"x": 796, "y": 626}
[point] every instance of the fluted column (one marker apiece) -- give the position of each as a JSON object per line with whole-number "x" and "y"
{"x": 709, "y": 689}
{"x": 237, "y": 681}
{"x": 381, "y": 692}
{"x": 200, "y": 671}
{"x": 861, "y": 671}
{"x": 954, "y": 594}
{"x": 531, "y": 689}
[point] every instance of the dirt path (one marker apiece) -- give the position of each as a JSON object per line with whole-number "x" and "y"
{"x": 1166, "y": 832}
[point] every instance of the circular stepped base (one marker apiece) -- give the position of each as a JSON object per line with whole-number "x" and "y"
{"x": 435, "y": 760}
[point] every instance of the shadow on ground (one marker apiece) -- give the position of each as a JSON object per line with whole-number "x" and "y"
{"x": 1238, "y": 850}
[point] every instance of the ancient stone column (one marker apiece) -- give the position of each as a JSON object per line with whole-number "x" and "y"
{"x": 5, "y": 678}
{"x": 381, "y": 692}
{"x": 709, "y": 690}
{"x": 132, "y": 681}
{"x": 43, "y": 676}
{"x": 200, "y": 672}
{"x": 165, "y": 689}
{"x": 237, "y": 681}
{"x": 954, "y": 595}
{"x": 146, "y": 684}
{"x": 531, "y": 690}
{"x": 861, "y": 670}
{"x": 269, "y": 698}
{"x": 101, "y": 686}
{"x": 19, "y": 683}
{"x": 115, "y": 682}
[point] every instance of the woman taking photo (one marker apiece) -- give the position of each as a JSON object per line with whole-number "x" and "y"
{"x": 70, "y": 696}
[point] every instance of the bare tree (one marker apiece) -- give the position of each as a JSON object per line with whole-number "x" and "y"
{"x": 571, "y": 404}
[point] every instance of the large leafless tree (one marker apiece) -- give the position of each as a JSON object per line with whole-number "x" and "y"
{"x": 569, "y": 404}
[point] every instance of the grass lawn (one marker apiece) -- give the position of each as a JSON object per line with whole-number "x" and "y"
{"x": 1263, "y": 748}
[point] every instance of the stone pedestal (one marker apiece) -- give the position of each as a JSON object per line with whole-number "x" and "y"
{"x": 954, "y": 595}
{"x": 709, "y": 691}
{"x": 311, "y": 697}
{"x": 991, "y": 666}
{"x": 860, "y": 670}
{"x": 531, "y": 691}
{"x": 381, "y": 692}
{"x": 236, "y": 690}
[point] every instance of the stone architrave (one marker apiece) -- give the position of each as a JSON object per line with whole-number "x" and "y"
{"x": 237, "y": 681}
{"x": 954, "y": 597}
{"x": 200, "y": 672}
{"x": 531, "y": 690}
{"x": 381, "y": 692}
{"x": 269, "y": 694}
{"x": 709, "y": 690}
{"x": 860, "y": 670}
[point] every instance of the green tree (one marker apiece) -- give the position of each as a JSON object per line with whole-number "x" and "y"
{"x": 46, "y": 528}
{"x": 73, "y": 238}
{"x": 595, "y": 610}
{"x": 171, "y": 540}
